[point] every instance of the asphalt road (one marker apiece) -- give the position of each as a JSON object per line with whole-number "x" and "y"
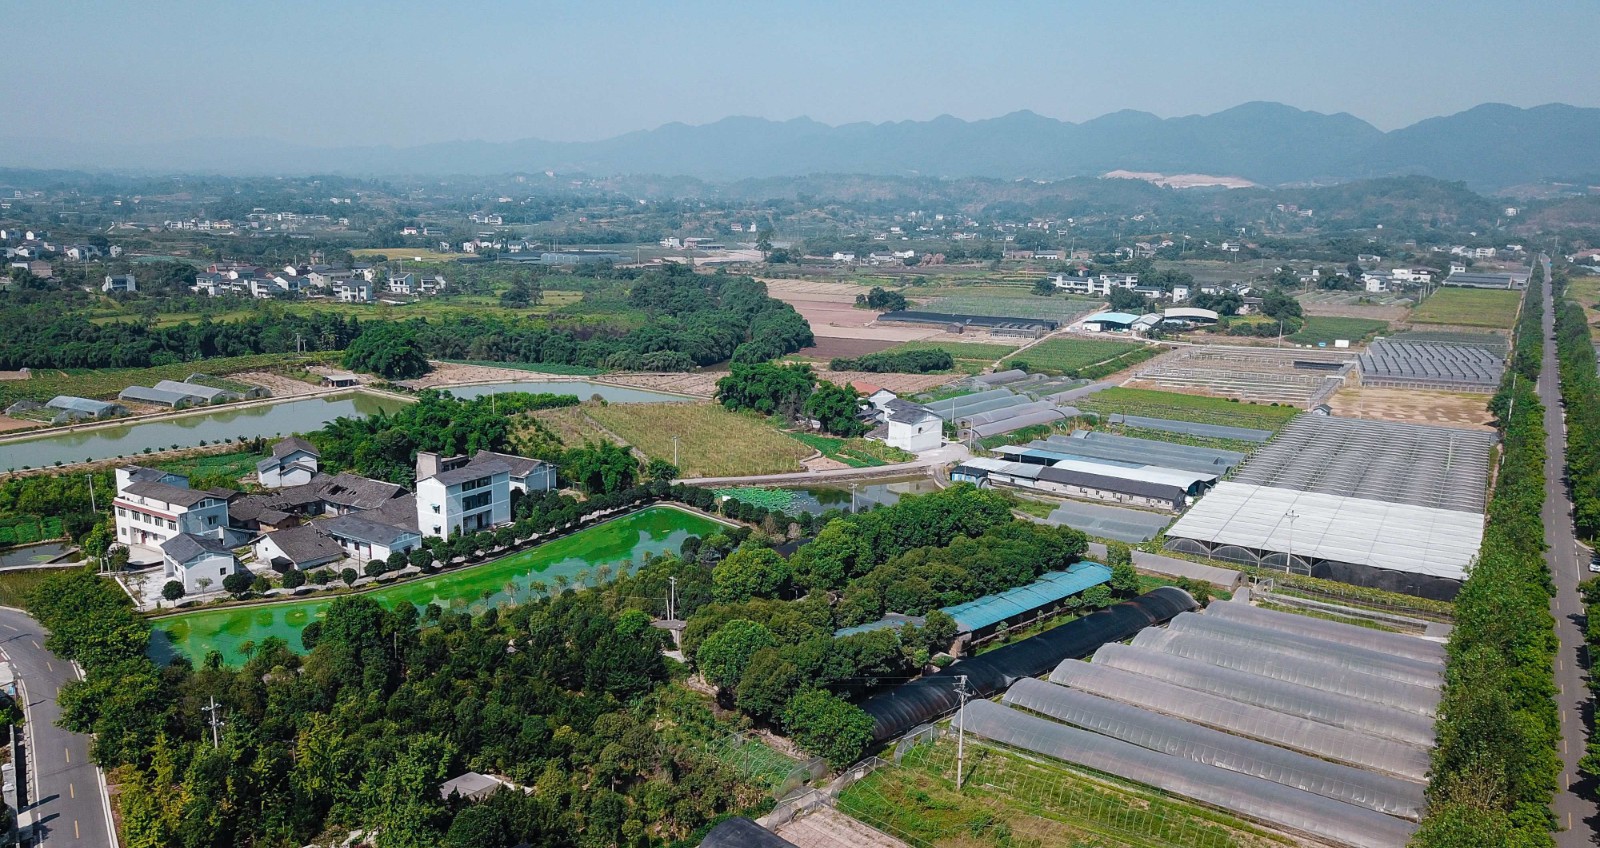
{"x": 1574, "y": 804}
{"x": 65, "y": 793}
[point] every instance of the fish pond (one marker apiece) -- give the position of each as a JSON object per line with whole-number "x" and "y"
{"x": 620, "y": 544}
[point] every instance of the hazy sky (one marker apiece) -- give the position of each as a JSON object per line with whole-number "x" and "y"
{"x": 333, "y": 73}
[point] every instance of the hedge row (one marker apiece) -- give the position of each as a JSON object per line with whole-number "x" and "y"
{"x": 1495, "y": 768}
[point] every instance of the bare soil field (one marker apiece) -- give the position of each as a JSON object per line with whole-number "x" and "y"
{"x": 828, "y": 347}
{"x": 278, "y": 384}
{"x": 1383, "y": 307}
{"x": 9, "y": 424}
{"x": 15, "y": 375}
{"x": 1412, "y": 406}
{"x": 900, "y": 384}
{"x": 698, "y": 383}
{"x": 452, "y": 374}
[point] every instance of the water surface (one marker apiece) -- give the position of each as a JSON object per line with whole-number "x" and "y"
{"x": 621, "y": 544}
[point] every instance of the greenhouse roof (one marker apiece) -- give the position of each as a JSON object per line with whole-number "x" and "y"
{"x": 1401, "y": 537}
{"x": 991, "y": 609}
{"x": 1110, "y": 318}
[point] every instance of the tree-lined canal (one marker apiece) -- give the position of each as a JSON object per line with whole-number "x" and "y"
{"x": 620, "y": 544}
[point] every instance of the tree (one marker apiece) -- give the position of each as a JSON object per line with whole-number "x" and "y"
{"x": 882, "y": 299}
{"x": 835, "y": 407}
{"x": 600, "y": 468}
{"x": 172, "y": 591}
{"x": 768, "y": 683}
{"x": 660, "y": 469}
{"x": 1044, "y": 287}
{"x": 750, "y": 572}
{"x": 1128, "y": 300}
{"x": 827, "y": 726}
{"x": 348, "y": 575}
{"x": 766, "y": 388}
{"x": 723, "y": 656}
{"x": 388, "y": 349}
{"x": 294, "y": 578}
{"x": 238, "y": 582}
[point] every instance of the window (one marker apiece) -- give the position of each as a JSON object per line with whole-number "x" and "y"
{"x": 476, "y": 501}
{"x": 436, "y": 512}
{"x": 122, "y": 511}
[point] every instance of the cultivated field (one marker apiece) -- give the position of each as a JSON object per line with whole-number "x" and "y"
{"x": 1469, "y": 308}
{"x": 1326, "y": 329}
{"x": 712, "y": 442}
{"x": 1413, "y": 406}
{"x": 1069, "y": 354}
{"x": 901, "y": 384}
{"x": 1184, "y": 407}
{"x": 1010, "y": 303}
{"x": 414, "y": 254}
{"x": 1585, "y": 291}
{"x": 1011, "y": 799}
{"x": 1379, "y": 307}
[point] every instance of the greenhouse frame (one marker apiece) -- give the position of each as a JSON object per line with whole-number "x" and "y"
{"x": 1394, "y": 644}
{"x": 1428, "y": 673}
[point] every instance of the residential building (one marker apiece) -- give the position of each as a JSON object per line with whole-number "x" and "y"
{"x": 200, "y": 563}
{"x": 364, "y": 539}
{"x": 472, "y": 497}
{"x": 1411, "y": 275}
{"x": 353, "y": 291}
{"x": 119, "y": 284}
{"x": 305, "y": 547}
{"x": 1375, "y": 283}
{"x": 345, "y": 493}
{"x": 293, "y": 463}
{"x": 402, "y": 283}
{"x": 912, "y": 427}
{"x": 527, "y": 475}
{"x": 153, "y": 506}
{"x": 432, "y": 285}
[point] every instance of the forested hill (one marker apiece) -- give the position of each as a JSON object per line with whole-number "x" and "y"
{"x": 1488, "y": 147}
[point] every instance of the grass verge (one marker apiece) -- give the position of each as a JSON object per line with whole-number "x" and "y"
{"x": 1469, "y": 308}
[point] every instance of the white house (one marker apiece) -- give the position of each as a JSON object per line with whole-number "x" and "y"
{"x": 353, "y": 291}
{"x": 305, "y": 547}
{"x": 293, "y": 463}
{"x": 403, "y": 283}
{"x": 527, "y": 475}
{"x": 912, "y": 427}
{"x": 1180, "y": 292}
{"x": 472, "y": 497}
{"x": 190, "y": 559}
{"x": 153, "y": 506}
{"x": 1375, "y": 283}
{"x": 363, "y": 539}
{"x": 1411, "y": 275}
{"x": 119, "y": 284}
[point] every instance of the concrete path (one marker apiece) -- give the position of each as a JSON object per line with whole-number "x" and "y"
{"x": 65, "y": 797}
{"x": 1574, "y": 805}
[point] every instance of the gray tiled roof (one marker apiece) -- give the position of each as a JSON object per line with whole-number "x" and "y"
{"x": 354, "y": 492}
{"x": 363, "y": 529}
{"x": 306, "y": 544}
{"x": 478, "y": 467}
{"x": 186, "y": 547}
{"x": 168, "y": 493}
{"x": 520, "y": 466}
{"x": 284, "y": 447}
{"x": 906, "y": 412}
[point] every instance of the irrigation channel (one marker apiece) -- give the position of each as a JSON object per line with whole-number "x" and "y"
{"x": 273, "y": 419}
{"x": 620, "y": 543}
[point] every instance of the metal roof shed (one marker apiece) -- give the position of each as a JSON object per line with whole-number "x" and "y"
{"x": 145, "y": 394}
{"x": 989, "y": 610}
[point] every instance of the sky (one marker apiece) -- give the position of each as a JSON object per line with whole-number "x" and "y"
{"x": 334, "y": 73}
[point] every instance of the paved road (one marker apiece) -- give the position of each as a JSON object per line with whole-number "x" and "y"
{"x": 65, "y": 794}
{"x": 1574, "y": 804}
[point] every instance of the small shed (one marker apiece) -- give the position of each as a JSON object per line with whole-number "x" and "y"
{"x": 340, "y": 379}
{"x": 470, "y": 786}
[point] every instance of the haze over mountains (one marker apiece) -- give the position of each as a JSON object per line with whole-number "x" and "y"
{"x": 1489, "y": 147}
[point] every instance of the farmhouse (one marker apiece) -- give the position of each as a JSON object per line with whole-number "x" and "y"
{"x": 293, "y": 463}
{"x": 191, "y": 559}
{"x": 912, "y": 427}
{"x": 152, "y": 507}
{"x": 119, "y": 284}
{"x": 470, "y": 497}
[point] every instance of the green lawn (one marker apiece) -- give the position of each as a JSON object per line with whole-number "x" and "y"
{"x": 1469, "y": 308}
{"x": 1326, "y": 329}
{"x": 1182, "y": 407}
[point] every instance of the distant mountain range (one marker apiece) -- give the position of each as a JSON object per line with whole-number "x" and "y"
{"x": 1489, "y": 147}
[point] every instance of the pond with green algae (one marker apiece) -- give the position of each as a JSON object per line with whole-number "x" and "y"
{"x": 620, "y": 544}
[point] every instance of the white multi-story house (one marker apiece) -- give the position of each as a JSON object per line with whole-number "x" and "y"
{"x": 465, "y": 499}
{"x": 912, "y": 427}
{"x": 153, "y": 507}
{"x": 119, "y": 284}
{"x": 200, "y": 563}
{"x": 1411, "y": 275}
{"x": 353, "y": 291}
{"x": 403, "y": 283}
{"x": 293, "y": 463}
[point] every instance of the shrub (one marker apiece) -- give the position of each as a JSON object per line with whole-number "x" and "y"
{"x": 172, "y": 591}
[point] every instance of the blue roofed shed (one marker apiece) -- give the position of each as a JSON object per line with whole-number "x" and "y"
{"x": 993, "y": 614}
{"x": 1110, "y": 321}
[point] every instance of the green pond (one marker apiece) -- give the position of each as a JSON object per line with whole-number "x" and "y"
{"x": 621, "y": 543}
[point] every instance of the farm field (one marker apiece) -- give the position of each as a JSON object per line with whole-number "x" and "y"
{"x": 1182, "y": 407}
{"x": 712, "y": 442}
{"x": 1414, "y": 406}
{"x": 416, "y": 254}
{"x": 229, "y": 465}
{"x": 970, "y": 357}
{"x": 1326, "y": 329}
{"x": 855, "y": 453}
{"x": 1585, "y": 291}
{"x": 1469, "y": 308}
{"x": 1379, "y": 307}
{"x": 1069, "y": 355}
{"x": 107, "y": 382}
{"x": 1011, "y": 799}
{"x": 1010, "y": 303}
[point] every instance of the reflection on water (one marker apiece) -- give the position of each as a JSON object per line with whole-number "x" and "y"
{"x": 616, "y": 545}
{"x": 283, "y": 418}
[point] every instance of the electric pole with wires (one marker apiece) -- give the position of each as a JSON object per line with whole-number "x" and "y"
{"x": 961, "y": 729}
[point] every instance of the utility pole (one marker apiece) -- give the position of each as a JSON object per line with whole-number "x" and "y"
{"x": 92, "y": 508}
{"x": 674, "y": 451}
{"x": 961, "y": 729}
{"x": 672, "y": 598}
{"x": 853, "y": 498}
{"x": 213, "y": 721}
{"x": 1288, "y": 563}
